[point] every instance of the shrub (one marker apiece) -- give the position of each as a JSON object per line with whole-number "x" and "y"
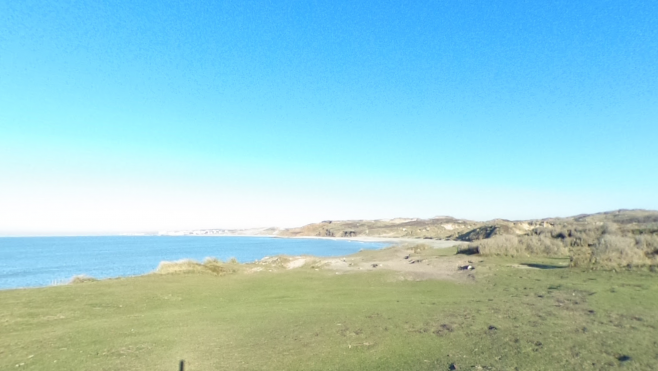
{"x": 82, "y": 278}
{"x": 510, "y": 245}
{"x": 615, "y": 250}
{"x": 418, "y": 248}
{"x": 498, "y": 245}
{"x": 543, "y": 245}
{"x": 469, "y": 249}
{"x": 211, "y": 260}
{"x": 580, "y": 256}
{"x": 594, "y": 244}
{"x": 648, "y": 244}
{"x": 210, "y": 265}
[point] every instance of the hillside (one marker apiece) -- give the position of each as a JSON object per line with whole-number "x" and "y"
{"x": 622, "y": 238}
{"x": 627, "y": 238}
{"x": 633, "y": 221}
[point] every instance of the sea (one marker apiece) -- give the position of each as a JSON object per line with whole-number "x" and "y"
{"x": 44, "y": 261}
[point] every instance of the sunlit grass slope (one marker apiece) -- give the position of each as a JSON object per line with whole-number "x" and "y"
{"x": 506, "y": 318}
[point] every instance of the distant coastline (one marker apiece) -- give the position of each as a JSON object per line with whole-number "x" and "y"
{"x": 38, "y": 262}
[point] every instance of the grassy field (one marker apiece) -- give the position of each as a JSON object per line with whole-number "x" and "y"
{"x": 501, "y": 316}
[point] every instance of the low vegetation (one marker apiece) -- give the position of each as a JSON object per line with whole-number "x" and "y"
{"x": 503, "y": 313}
{"x": 511, "y": 245}
{"x": 209, "y": 265}
{"x": 540, "y": 295}
{"x": 606, "y": 246}
{"x": 82, "y": 278}
{"x": 610, "y": 240}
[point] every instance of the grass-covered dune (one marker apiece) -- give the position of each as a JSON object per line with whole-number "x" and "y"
{"x": 503, "y": 315}
{"x": 445, "y": 227}
{"x": 608, "y": 240}
{"x": 593, "y": 245}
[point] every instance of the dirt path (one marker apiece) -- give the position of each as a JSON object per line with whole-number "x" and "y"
{"x": 411, "y": 260}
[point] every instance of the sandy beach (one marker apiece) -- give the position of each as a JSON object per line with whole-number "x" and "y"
{"x": 393, "y": 241}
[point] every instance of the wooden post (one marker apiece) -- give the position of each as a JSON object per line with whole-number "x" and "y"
{"x": 182, "y": 365}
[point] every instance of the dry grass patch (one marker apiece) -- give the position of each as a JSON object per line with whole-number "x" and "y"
{"x": 187, "y": 266}
{"x": 82, "y": 278}
{"x": 510, "y": 245}
{"x": 418, "y": 248}
{"x": 604, "y": 246}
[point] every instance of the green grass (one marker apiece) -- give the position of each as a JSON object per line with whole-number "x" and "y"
{"x": 544, "y": 319}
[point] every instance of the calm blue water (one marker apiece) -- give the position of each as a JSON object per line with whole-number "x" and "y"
{"x": 42, "y": 261}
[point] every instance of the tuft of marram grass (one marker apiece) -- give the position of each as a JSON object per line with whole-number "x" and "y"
{"x": 418, "y": 248}
{"x": 186, "y": 266}
{"x": 81, "y": 278}
{"x": 211, "y": 260}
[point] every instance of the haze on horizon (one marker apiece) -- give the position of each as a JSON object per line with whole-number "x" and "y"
{"x": 135, "y": 116}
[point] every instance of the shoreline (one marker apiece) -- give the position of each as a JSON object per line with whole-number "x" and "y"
{"x": 392, "y": 240}
{"x": 447, "y": 243}
{"x": 437, "y": 244}
{"x": 389, "y": 241}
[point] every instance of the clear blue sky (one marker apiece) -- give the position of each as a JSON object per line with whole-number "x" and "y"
{"x": 132, "y": 115}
